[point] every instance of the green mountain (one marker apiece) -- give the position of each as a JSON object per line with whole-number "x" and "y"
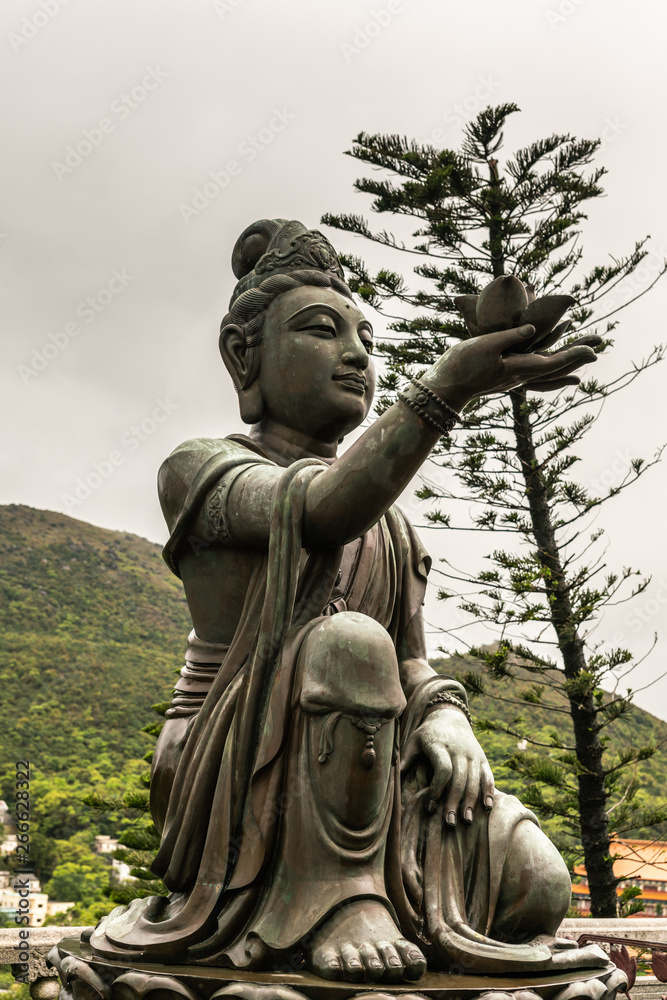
{"x": 93, "y": 630}
{"x": 93, "y": 626}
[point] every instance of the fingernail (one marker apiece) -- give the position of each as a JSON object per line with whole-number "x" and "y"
{"x": 451, "y": 818}
{"x": 468, "y": 814}
{"x": 527, "y": 331}
{"x": 431, "y": 805}
{"x": 488, "y": 801}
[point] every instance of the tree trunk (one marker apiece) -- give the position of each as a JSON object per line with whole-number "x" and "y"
{"x": 592, "y": 796}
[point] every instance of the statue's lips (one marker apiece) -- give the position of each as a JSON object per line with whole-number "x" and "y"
{"x": 352, "y": 381}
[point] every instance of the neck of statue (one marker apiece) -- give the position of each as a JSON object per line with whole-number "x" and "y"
{"x": 283, "y": 445}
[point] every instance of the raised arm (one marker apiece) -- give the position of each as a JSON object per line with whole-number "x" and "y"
{"x": 353, "y": 493}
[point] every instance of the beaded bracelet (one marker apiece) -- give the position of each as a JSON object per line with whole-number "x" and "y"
{"x": 445, "y": 698}
{"x": 427, "y": 405}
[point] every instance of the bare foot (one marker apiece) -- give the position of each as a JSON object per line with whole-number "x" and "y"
{"x": 361, "y": 941}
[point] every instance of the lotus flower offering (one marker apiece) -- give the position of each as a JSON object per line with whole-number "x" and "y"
{"x": 507, "y": 303}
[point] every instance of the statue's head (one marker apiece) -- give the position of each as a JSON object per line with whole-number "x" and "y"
{"x": 294, "y": 342}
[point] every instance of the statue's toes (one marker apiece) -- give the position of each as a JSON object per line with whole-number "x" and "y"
{"x": 328, "y": 964}
{"x": 353, "y": 967}
{"x": 373, "y": 964}
{"x": 393, "y": 964}
{"x": 414, "y": 962}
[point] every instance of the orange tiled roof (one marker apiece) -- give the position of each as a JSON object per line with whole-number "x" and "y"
{"x": 640, "y": 859}
{"x": 647, "y": 894}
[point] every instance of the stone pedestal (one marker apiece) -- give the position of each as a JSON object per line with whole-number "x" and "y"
{"x": 84, "y": 976}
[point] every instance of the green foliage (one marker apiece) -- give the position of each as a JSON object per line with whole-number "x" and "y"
{"x": 628, "y": 902}
{"x": 6, "y": 977}
{"x": 85, "y": 914}
{"x": 78, "y": 883}
{"x": 92, "y": 624}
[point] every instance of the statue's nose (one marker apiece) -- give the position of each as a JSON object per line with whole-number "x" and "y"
{"x": 357, "y": 356}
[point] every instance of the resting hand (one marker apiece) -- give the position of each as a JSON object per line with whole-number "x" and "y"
{"x": 460, "y": 767}
{"x": 486, "y": 365}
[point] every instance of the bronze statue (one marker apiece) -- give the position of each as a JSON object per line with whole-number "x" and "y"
{"x": 320, "y": 793}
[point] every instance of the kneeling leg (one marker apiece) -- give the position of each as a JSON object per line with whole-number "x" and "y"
{"x": 535, "y": 890}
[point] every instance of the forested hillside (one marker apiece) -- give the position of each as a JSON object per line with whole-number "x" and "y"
{"x": 94, "y": 627}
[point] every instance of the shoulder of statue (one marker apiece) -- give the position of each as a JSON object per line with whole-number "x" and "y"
{"x": 197, "y": 461}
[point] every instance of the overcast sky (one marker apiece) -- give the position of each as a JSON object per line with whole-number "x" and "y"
{"x": 115, "y": 236}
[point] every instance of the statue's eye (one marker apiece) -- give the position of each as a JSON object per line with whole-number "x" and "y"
{"x": 322, "y": 328}
{"x": 368, "y": 344}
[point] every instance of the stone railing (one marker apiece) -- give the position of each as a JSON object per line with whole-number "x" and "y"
{"x": 14, "y": 950}
{"x": 44, "y": 984}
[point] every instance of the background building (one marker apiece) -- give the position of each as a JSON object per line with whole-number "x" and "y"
{"x": 638, "y": 862}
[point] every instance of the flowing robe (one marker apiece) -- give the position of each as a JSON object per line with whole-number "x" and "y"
{"x": 231, "y": 755}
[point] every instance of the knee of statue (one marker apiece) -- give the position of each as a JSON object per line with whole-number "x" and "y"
{"x": 348, "y": 664}
{"x": 536, "y": 887}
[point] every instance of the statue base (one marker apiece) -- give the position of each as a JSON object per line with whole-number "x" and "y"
{"x": 84, "y": 976}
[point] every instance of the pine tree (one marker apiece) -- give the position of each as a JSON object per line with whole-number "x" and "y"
{"x": 477, "y": 220}
{"x": 140, "y": 841}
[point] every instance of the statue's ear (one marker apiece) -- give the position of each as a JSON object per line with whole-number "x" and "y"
{"x": 238, "y": 362}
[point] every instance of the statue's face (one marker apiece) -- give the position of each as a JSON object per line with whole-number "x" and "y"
{"x": 316, "y": 372}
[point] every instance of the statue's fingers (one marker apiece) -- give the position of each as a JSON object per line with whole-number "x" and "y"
{"x": 570, "y": 357}
{"x": 537, "y": 368}
{"x": 487, "y": 786}
{"x": 551, "y": 385}
{"x": 471, "y": 795}
{"x": 409, "y": 753}
{"x": 559, "y": 379}
{"x": 457, "y": 787}
{"x": 505, "y": 340}
{"x": 541, "y": 366}
{"x": 588, "y": 340}
{"x": 442, "y": 773}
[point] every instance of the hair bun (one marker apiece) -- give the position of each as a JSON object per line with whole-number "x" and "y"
{"x": 252, "y": 244}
